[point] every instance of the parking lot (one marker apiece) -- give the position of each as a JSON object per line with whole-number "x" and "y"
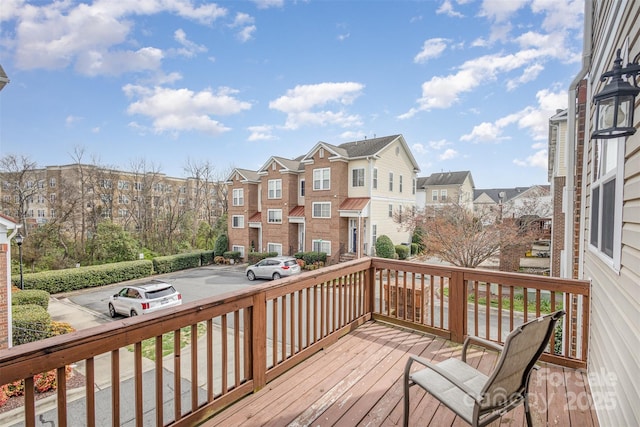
{"x": 194, "y": 284}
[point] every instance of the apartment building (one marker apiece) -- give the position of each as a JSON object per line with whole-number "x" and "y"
{"x": 80, "y": 193}
{"x": 335, "y": 198}
{"x": 445, "y": 187}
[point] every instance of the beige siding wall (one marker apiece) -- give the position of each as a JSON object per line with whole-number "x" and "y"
{"x": 615, "y": 313}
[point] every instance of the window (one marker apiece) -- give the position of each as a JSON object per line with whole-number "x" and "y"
{"x": 123, "y": 185}
{"x": 238, "y": 196}
{"x": 40, "y": 213}
{"x": 434, "y": 195}
{"x": 182, "y": 201}
{"x": 606, "y": 199}
{"x": 40, "y": 198}
{"x": 400, "y": 213}
{"x": 40, "y": 184}
{"x": 237, "y": 221}
{"x": 413, "y": 186}
{"x": 123, "y": 213}
{"x": 30, "y": 213}
{"x": 275, "y": 189}
{"x": 106, "y": 183}
{"x": 52, "y": 197}
{"x": 182, "y": 190}
{"x": 320, "y": 245}
{"x": 443, "y": 195}
{"x": 274, "y": 216}
{"x": 390, "y": 210}
{"x": 52, "y": 213}
{"x": 302, "y": 188}
{"x": 400, "y": 183}
{"x": 321, "y": 153}
{"x": 123, "y": 199}
{"x": 274, "y": 247}
{"x": 375, "y": 178}
{"x": 390, "y": 181}
{"x": 322, "y": 210}
{"x": 137, "y": 186}
{"x": 374, "y": 234}
{"x": 238, "y": 248}
{"x": 321, "y": 178}
{"x": 357, "y": 177}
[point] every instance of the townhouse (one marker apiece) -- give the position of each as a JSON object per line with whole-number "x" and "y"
{"x": 335, "y": 199}
{"x": 441, "y": 188}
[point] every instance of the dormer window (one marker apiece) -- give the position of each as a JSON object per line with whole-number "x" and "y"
{"x": 321, "y": 153}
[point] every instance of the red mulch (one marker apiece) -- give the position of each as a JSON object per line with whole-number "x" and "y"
{"x": 76, "y": 380}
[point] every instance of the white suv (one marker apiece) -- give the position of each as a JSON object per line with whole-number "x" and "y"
{"x": 142, "y": 299}
{"x": 273, "y": 268}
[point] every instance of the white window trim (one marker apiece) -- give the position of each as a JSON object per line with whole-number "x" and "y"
{"x": 356, "y": 180}
{"x": 434, "y": 193}
{"x": 320, "y": 181}
{"x": 273, "y": 189}
{"x": 240, "y": 221}
{"x": 269, "y": 211}
{"x": 238, "y": 248}
{"x": 275, "y": 246}
{"x": 322, "y": 243}
{"x": 238, "y": 200}
{"x": 313, "y": 209}
{"x": 374, "y": 179}
{"x": 614, "y": 261}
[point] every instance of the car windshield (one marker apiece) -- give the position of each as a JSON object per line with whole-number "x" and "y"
{"x": 290, "y": 263}
{"x": 160, "y": 293}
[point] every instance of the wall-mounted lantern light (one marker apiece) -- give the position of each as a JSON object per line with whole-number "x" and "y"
{"x": 616, "y": 102}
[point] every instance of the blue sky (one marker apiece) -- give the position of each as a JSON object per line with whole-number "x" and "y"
{"x": 470, "y": 84}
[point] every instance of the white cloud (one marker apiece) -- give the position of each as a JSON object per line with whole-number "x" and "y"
{"x": 439, "y": 145}
{"x": 245, "y": 22}
{"x": 501, "y": 10}
{"x": 301, "y": 104}
{"x": 189, "y": 49}
{"x": 447, "y": 8}
{"x": 343, "y": 37}
{"x": 432, "y": 48}
{"x": 352, "y": 135}
{"x": 538, "y": 160}
{"x": 529, "y": 74}
{"x": 93, "y": 36}
{"x": 261, "y": 133}
{"x": 448, "y": 154}
{"x": 71, "y": 120}
{"x": 266, "y": 4}
{"x": 175, "y": 110}
{"x": 533, "y": 119}
{"x": 246, "y": 33}
{"x": 419, "y": 148}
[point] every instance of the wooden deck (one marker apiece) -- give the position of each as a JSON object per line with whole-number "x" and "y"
{"x": 358, "y": 382}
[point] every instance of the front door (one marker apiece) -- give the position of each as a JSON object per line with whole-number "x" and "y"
{"x": 353, "y": 232}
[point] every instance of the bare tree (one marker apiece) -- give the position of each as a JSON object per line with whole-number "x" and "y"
{"x": 21, "y": 183}
{"x": 453, "y": 234}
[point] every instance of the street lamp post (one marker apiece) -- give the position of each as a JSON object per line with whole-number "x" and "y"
{"x": 19, "y": 240}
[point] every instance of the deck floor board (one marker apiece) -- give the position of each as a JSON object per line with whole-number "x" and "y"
{"x": 358, "y": 382}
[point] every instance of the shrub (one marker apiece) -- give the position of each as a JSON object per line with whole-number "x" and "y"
{"x": 167, "y": 264}
{"x": 30, "y": 323}
{"x": 234, "y": 255}
{"x": 60, "y": 328}
{"x": 402, "y": 251}
{"x": 206, "y": 257}
{"x": 385, "y": 248}
{"x": 414, "y": 249}
{"x": 313, "y": 257}
{"x": 418, "y": 238}
{"x": 31, "y": 296}
{"x": 255, "y": 257}
{"x": 71, "y": 279}
{"x": 221, "y": 245}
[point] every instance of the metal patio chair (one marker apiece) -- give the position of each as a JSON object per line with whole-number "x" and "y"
{"x": 477, "y": 398}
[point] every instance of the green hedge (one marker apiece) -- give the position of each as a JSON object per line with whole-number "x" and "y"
{"x": 31, "y": 296}
{"x": 71, "y": 279}
{"x": 311, "y": 257}
{"x": 168, "y": 264}
{"x": 234, "y": 255}
{"x": 206, "y": 257}
{"x": 385, "y": 247}
{"x": 30, "y": 323}
{"x": 414, "y": 249}
{"x": 402, "y": 251}
{"x": 255, "y": 257}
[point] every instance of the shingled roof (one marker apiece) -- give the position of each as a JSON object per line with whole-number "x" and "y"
{"x": 367, "y": 147}
{"x": 446, "y": 178}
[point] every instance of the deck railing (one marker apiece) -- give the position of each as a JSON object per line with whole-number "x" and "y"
{"x": 224, "y": 348}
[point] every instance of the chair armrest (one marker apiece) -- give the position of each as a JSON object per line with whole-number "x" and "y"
{"x": 444, "y": 374}
{"x": 473, "y": 339}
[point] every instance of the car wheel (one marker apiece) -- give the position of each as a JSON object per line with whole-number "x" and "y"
{"x": 251, "y": 275}
{"x": 276, "y": 276}
{"x": 133, "y": 313}
{"x": 112, "y": 311}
